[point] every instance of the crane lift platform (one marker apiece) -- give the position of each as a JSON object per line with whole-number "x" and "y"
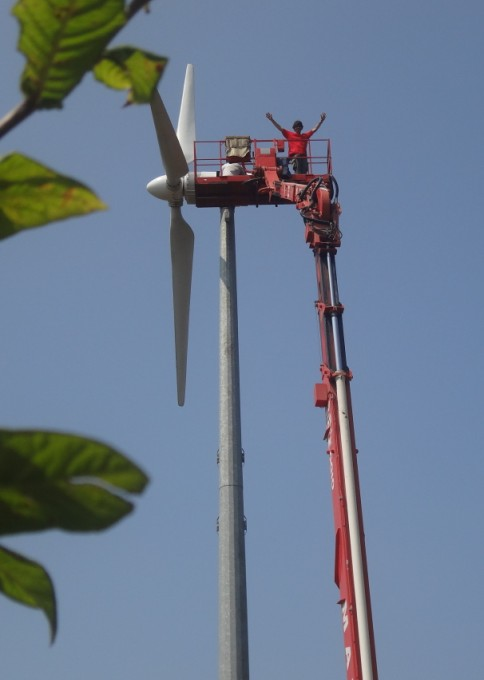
{"x": 240, "y": 171}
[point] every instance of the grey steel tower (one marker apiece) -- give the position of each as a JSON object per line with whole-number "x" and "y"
{"x": 233, "y": 628}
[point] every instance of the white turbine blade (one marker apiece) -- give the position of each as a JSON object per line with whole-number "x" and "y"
{"x": 170, "y": 149}
{"x": 186, "y": 121}
{"x": 182, "y": 240}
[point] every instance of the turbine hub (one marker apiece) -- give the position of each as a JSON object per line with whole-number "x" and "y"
{"x": 160, "y": 188}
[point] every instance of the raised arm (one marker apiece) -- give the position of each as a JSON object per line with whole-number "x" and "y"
{"x": 275, "y": 123}
{"x": 319, "y": 123}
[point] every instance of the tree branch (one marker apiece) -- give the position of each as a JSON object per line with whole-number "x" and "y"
{"x": 17, "y": 115}
{"x": 135, "y": 6}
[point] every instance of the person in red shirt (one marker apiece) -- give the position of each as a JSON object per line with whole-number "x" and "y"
{"x": 298, "y": 142}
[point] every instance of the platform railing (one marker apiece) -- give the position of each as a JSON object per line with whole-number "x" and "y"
{"x": 210, "y": 154}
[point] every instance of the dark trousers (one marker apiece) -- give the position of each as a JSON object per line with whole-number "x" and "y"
{"x": 300, "y": 165}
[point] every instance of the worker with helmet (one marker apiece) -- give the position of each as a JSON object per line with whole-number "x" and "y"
{"x": 298, "y": 142}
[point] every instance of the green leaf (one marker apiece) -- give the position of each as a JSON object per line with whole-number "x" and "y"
{"x": 127, "y": 68}
{"x": 32, "y": 194}
{"x": 53, "y": 480}
{"x": 62, "y": 40}
{"x": 28, "y": 583}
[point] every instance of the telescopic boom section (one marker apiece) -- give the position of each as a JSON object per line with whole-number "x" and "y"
{"x": 333, "y": 393}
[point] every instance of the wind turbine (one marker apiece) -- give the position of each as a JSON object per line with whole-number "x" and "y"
{"x": 177, "y": 151}
{"x": 316, "y": 198}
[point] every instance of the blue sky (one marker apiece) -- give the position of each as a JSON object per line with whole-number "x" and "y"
{"x": 87, "y": 346}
